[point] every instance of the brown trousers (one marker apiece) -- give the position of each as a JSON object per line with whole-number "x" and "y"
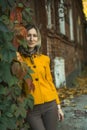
{"x": 43, "y": 116}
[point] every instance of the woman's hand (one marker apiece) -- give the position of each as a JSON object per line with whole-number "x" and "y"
{"x": 60, "y": 113}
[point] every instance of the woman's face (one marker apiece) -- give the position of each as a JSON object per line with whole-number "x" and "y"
{"x": 32, "y": 38}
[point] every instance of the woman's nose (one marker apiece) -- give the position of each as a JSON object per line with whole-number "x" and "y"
{"x": 31, "y": 37}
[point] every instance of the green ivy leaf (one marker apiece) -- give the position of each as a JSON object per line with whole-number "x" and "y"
{"x": 23, "y": 42}
{"x": 13, "y": 108}
{"x": 3, "y": 4}
{"x": 8, "y": 54}
{"x": 5, "y": 19}
{"x": 27, "y": 15}
{"x": 17, "y": 90}
{"x": 5, "y": 74}
{"x": 20, "y": 5}
{"x": 2, "y": 90}
{"x": 29, "y": 102}
{"x": 3, "y": 27}
{"x": 7, "y": 123}
{"x": 20, "y": 111}
{"x": 26, "y": 126}
{"x": 5, "y": 37}
{"x": 11, "y": 3}
{"x": 11, "y": 122}
{"x": 2, "y": 127}
{"x": 8, "y": 114}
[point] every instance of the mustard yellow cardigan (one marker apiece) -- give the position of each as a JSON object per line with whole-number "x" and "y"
{"x": 45, "y": 90}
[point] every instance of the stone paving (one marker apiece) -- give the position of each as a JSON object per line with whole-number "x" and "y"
{"x": 75, "y": 115}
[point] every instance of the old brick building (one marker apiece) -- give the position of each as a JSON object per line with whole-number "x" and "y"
{"x": 62, "y": 25}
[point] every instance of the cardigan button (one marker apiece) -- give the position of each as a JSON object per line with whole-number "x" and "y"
{"x": 34, "y": 56}
{"x": 34, "y": 66}
{"x": 36, "y": 79}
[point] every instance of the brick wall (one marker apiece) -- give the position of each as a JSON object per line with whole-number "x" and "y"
{"x": 56, "y": 45}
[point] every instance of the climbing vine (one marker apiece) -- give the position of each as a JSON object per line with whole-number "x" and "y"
{"x": 13, "y": 106}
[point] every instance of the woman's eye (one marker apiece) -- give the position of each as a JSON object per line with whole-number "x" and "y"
{"x": 32, "y": 35}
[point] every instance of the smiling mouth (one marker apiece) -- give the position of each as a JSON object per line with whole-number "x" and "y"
{"x": 31, "y": 44}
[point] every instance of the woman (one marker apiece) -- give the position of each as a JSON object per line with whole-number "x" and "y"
{"x": 46, "y": 101}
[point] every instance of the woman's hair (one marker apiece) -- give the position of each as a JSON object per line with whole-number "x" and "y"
{"x": 30, "y": 26}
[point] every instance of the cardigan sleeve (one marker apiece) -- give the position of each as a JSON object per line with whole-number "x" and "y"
{"x": 50, "y": 80}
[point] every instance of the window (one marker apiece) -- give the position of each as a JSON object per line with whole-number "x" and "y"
{"x": 71, "y": 25}
{"x": 79, "y": 31}
{"x": 61, "y": 17}
{"x": 50, "y": 11}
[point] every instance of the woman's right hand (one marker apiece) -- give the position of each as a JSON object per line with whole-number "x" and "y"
{"x": 60, "y": 113}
